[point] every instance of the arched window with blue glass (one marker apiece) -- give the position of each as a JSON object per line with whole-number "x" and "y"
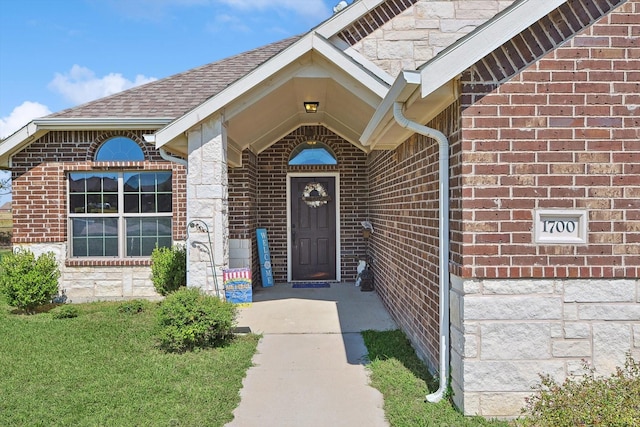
{"x": 119, "y": 149}
{"x": 312, "y": 153}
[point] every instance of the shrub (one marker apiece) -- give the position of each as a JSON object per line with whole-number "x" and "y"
{"x": 27, "y": 281}
{"x": 169, "y": 269}
{"x": 65, "y": 312}
{"x": 132, "y": 307}
{"x": 587, "y": 400}
{"x": 189, "y": 319}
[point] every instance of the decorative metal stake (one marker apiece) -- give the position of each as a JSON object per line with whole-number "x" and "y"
{"x": 202, "y": 227}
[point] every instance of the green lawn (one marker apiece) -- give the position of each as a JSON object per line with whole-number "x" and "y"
{"x": 102, "y": 368}
{"x": 404, "y": 380}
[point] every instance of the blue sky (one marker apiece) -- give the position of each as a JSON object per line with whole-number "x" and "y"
{"x": 55, "y": 54}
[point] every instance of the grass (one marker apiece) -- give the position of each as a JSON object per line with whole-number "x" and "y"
{"x": 102, "y": 368}
{"x": 404, "y": 381}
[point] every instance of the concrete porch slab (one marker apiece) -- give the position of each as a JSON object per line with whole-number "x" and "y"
{"x": 342, "y": 308}
{"x": 309, "y": 369}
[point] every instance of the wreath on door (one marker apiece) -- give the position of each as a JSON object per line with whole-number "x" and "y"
{"x": 315, "y": 195}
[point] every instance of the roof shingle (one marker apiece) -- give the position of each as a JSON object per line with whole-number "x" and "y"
{"x": 175, "y": 95}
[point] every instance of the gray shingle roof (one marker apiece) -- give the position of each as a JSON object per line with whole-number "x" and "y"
{"x": 174, "y": 96}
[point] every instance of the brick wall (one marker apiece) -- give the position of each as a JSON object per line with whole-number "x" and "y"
{"x": 39, "y": 174}
{"x": 271, "y": 210}
{"x": 565, "y": 133}
{"x": 562, "y": 134}
{"x": 404, "y": 204}
{"x": 243, "y": 197}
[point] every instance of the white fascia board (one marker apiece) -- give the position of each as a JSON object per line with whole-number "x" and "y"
{"x": 406, "y": 84}
{"x": 472, "y": 48}
{"x": 102, "y": 123}
{"x": 369, "y": 65}
{"x": 18, "y": 138}
{"x": 343, "y": 19}
{"x": 358, "y": 71}
{"x": 309, "y": 42}
{"x": 240, "y": 87}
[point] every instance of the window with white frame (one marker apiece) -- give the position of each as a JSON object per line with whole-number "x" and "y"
{"x": 119, "y": 214}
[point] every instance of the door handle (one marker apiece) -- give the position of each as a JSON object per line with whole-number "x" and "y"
{"x": 293, "y": 235}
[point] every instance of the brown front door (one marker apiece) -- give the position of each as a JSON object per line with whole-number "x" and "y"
{"x": 313, "y": 228}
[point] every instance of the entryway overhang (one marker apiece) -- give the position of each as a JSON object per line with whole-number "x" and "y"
{"x": 267, "y": 104}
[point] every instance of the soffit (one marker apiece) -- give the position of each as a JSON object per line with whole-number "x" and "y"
{"x": 263, "y": 116}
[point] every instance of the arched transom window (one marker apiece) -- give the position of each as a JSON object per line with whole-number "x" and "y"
{"x": 312, "y": 153}
{"x": 119, "y": 149}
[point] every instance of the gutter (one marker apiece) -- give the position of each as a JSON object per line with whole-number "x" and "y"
{"x": 151, "y": 139}
{"x": 443, "y": 144}
{"x": 169, "y": 157}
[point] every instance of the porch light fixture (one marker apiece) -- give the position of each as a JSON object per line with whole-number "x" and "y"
{"x": 311, "y": 107}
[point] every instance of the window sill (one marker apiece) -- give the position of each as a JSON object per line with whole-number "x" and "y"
{"x": 108, "y": 262}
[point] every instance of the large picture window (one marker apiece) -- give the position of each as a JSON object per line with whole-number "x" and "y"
{"x": 119, "y": 214}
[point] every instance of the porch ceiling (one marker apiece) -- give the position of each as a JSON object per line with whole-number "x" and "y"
{"x": 261, "y": 117}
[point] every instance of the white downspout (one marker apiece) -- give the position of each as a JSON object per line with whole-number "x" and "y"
{"x": 170, "y": 158}
{"x": 443, "y": 144}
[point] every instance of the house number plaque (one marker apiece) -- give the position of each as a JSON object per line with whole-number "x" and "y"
{"x": 560, "y": 227}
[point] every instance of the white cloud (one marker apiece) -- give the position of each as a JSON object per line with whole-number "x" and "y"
{"x": 224, "y": 22}
{"x": 302, "y": 7}
{"x": 20, "y": 116}
{"x": 81, "y": 84}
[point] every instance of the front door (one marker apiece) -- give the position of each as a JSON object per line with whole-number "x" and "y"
{"x": 313, "y": 228}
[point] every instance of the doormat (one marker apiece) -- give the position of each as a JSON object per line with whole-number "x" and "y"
{"x": 310, "y": 285}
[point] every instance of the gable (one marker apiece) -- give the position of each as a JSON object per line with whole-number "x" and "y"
{"x": 415, "y": 31}
{"x": 507, "y": 44}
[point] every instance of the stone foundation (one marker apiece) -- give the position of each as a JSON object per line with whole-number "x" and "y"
{"x": 505, "y": 332}
{"x": 98, "y": 283}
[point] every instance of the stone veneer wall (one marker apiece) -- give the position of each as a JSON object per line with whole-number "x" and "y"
{"x": 417, "y": 33}
{"x": 97, "y": 282}
{"x": 505, "y": 332}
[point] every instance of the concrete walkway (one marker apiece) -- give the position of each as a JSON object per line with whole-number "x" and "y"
{"x": 309, "y": 368}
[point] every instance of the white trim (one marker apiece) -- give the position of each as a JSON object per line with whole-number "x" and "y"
{"x": 448, "y": 64}
{"x": 102, "y": 123}
{"x": 264, "y": 72}
{"x": 343, "y": 19}
{"x": 336, "y": 175}
{"x": 578, "y": 236}
{"x": 120, "y": 216}
{"x": 405, "y": 85}
{"x": 472, "y": 48}
{"x": 38, "y": 127}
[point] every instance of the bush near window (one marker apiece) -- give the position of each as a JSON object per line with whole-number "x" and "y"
{"x": 587, "y": 400}
{"x": 28, "y": 282}
{"x": 189, "y": 319}
{"x": 169, "y": 269}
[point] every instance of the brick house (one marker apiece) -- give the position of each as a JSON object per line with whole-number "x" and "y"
{"x": 510, "y": 127}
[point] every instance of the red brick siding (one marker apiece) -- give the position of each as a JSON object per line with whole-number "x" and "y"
{"x": 404, "y": 209}
{"x": 271, "y": 210}
{"x": 39, "y": 187}
{"x": 562, "y": 134}
{"x": 243, "y": 199}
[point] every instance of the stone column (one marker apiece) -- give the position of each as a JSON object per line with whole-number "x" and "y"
{"x": 207, "y": 205}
